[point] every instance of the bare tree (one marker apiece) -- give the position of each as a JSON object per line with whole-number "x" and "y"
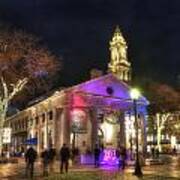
{"x": 5, "y": 97}
{"x": 164, "y": 101}
{"x": 23, "y": 61}
{"x": 24, "y": 55}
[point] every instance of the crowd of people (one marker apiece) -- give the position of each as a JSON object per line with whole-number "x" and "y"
{"x": 48, "y": 157}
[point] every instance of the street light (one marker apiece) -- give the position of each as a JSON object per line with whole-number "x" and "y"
{"x": 135, "y": 94}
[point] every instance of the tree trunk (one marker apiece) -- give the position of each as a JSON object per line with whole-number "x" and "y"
{"x": 159, "y": 130}
{"x": 161, "y": 119}
{"x": 2, "y": 119}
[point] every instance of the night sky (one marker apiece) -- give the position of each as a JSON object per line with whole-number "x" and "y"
{"x": 79, "y": 31}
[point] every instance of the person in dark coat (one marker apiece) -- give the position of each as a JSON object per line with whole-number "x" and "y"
{"x": 30, "y": 157}
{"x": 153, "y": 152}
{"x": 45, "y": 161}
{"x": 118, "y": 157}
{"x": 52, "y": 155}
{"x": 174, "y": 151}
{"x": 96, "y": 155}
{"x": 157, "y": 152}
{"x": 123, "y": 156}
{"x": 64, "y": 158}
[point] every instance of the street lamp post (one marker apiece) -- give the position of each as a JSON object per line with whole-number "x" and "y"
{"x": 135, "y": 95}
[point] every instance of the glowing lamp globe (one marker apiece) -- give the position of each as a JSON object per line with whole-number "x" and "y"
{"x": 135, "y": 93}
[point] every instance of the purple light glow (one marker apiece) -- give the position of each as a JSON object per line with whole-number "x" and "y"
{"x": 98, "y": 87}
{"x": 108, "y": 157}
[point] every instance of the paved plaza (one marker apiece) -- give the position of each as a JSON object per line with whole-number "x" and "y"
{"x": 167, "y": 171}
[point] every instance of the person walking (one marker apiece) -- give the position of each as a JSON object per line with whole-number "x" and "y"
{"x": 96, "y": 156}
{"x": 52, "y": 155}
{"x": 118, "y": 157}
{"x": 153, "y": 151}
{"x": 30, "y": 157}
{"x": 45, "y": 161}
{"x": 123, "y": 156}
{"x": 64, "y": 158}
{"x": 174, "y": 151}
{"x": 157, "y": 152}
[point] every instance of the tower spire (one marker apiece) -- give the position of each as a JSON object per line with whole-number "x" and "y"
{"x": 119, "y": 64}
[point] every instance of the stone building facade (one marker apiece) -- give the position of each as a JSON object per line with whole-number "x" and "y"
{"x": 98, "y": 111}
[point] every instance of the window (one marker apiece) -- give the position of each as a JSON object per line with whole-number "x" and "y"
{"x": 36, "y": 135}
{"x": 37, "y": 120}
{"x": 15, "y": 126}
{"x": 19, "y": 125}
{"x": 23, "y": 123}
{"x": 26, "y": 124}
{"x": 43, "y": 117}
{"x": 50, "y": 114}
{"x": 42, "y": 140}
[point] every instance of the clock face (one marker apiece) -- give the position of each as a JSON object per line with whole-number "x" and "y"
{"x": 109, "y": 90}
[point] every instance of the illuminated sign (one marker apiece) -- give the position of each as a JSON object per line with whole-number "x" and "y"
{"x": 109, "y": 157}
{"x": 78, "y": 121}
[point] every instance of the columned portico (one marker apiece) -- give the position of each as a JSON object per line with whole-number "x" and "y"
{"x": 97, "y": 112}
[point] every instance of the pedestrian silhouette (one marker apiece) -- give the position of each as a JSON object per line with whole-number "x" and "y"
{"x": 123, "y": 156}
{"x": 157, "y": 152}
{"x": 118, "y": 157}
{"x": 52, "y": 155}
{"x": 96, "y": 155}
{"x": 64, "y": 158}
{"x": 153, "y": 152}
{"x": 30, "y": 157}
{"x": 174, "y": 151}
{"x": 45, "y": 161}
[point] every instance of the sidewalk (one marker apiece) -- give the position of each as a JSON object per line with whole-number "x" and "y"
{"x": 156, "y": 172}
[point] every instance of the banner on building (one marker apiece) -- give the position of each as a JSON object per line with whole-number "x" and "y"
{"x": 6, "y": 135}
{"x": 31, "y": 141}
{"x": 78, "y": 121}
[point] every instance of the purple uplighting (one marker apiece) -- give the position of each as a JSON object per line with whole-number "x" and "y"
{"x": 108, "y": 157}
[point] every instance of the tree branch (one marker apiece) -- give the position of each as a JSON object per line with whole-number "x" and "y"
{"x": 17, "y": 87}
{"x": 5, "y": 89}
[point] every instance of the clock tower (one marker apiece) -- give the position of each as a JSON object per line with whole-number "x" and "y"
{"x": 119, "y": 64}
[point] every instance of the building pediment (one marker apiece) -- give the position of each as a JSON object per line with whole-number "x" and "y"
{"x": 107, "y": 89}
{"x": 107, "y": 85}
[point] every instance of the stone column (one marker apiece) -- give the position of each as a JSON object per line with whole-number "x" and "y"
{"x": 122, "y": 130}
{"x": 62, "y": 127}
{"x": 89, "y": 129}
{"x": 144, "y": 135}
{"x": 94, "y": 133}
{"x": 66, "y": 126}
{"x": 58, "y": 128}
{"x": 39, "y": 141}
{"x": 53, "y": 135}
